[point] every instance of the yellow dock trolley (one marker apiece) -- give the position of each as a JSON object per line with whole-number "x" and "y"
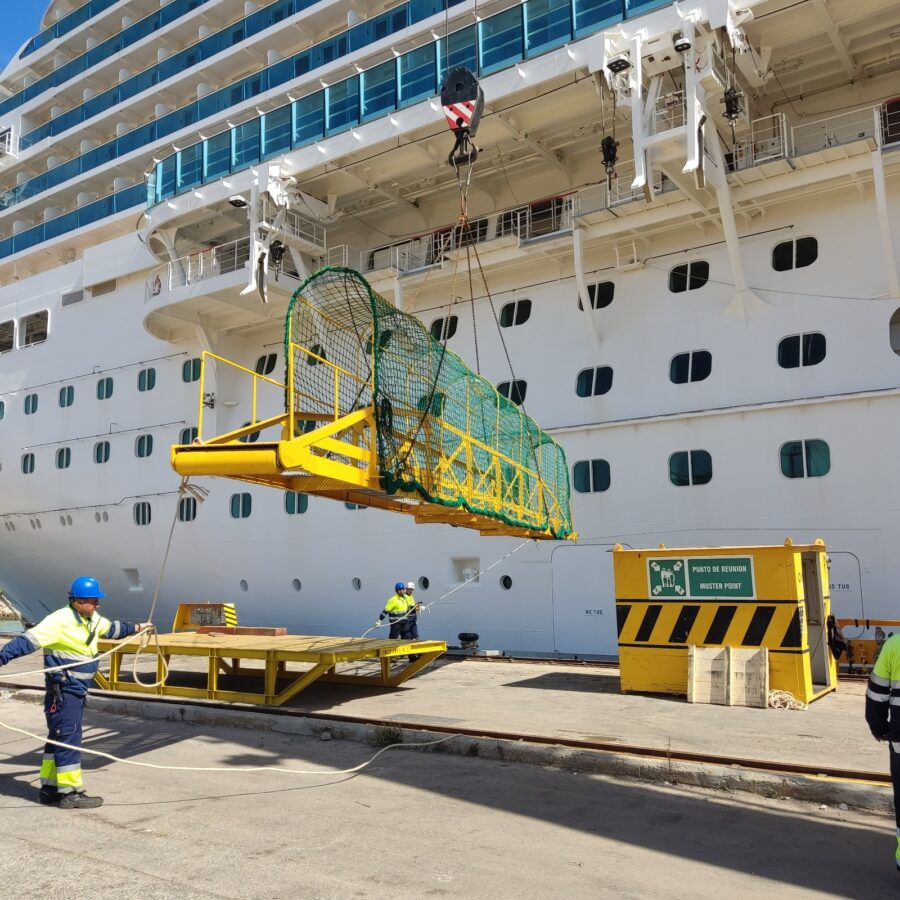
{"x": 751, "y": 597}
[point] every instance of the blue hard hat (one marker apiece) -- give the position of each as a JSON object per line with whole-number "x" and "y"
{"x": 85, "y": 588}
{"x": 400, "y": 586}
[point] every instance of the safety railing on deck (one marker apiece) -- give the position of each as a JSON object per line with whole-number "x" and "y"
{"x": 769, "y": 139}
{"x": 669, "y": 111}
{"x": 856, "y": 125}
{"x": 206, "y": 400}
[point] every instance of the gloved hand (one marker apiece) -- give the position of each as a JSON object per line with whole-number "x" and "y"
{"x": 377, "y": 624}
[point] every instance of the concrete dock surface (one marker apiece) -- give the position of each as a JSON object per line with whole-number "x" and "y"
{"x": 584, "y": 702}
{"x": 414, "y": 824}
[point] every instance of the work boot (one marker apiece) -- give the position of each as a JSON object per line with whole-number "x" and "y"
{"x": 48, "y": 795}
{"x": 79, "y": 800}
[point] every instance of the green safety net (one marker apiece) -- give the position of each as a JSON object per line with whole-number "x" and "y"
{"x": 443, "y": 433}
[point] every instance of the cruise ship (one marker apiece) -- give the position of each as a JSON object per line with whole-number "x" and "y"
{"x": 686, "y": 216}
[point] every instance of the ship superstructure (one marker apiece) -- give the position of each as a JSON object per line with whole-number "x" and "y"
{"x": 686, "y": 215}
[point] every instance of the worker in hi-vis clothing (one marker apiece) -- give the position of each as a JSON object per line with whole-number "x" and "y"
{"x": 395, "y": 610}
{"x": 882, "y": 698}
{"x": 69, "y": 635}
{"x": 412, "y": 608}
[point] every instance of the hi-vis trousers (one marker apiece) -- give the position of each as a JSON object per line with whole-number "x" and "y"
{"x": 61, "y": 768}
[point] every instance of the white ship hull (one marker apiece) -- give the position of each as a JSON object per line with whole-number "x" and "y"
{"x": 301, "y": 571}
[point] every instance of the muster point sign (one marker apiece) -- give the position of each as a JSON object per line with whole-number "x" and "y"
{"x": 698, "y": 577}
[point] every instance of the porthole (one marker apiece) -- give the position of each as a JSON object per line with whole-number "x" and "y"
{"x": 296, "y": 585}
{"x": 39, "y": 524}
{"x": 97, "y": 517}
{"x": 265, "y": 365}
{"x": 62, "y": 520}
{"x": 244, "y": 585}
{"x": 424, "y": 583}
{"x": 190, "y": 370}
{"x": 689, "y": 276}
{"x": 357, "y": 584}
{"x": 31, "y": 522}
{"x": 187, "y": 435}
{"x": 105, "y": 516}
{"x": 68, "y": 520}
{"x": 505, "y": 582}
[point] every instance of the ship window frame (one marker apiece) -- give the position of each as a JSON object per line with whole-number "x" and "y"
{"x": 190, "y": 370}
{"x": 66, "y": 396}
{"x": 513, "y": 390}
{"x": 683, "y": 277}
{"x": 240, "y": 505}
{"x": 101, "y": 452}
{"x": 296, "y": 503}
{"x": 142, "y": 513}
{"x": 190, "y": 432}
{"x": 801, "y": 450}
{"x": 26, "y": 323}
{"x": 63, "y": 457}
{"x": 27, "y": 463}
{"x": 443, "y": 328}
{"x": 690, "y": 371}
{"x": 2, "y": 409}
{"x": 594, "y": 381}
{"x": 143, "y": 446}
{"x": 265, "y": 364}
{"x": 516, "y": 312}
{"x": 187, "y": 509}
{"x": 797, "y": 253}
{"x": 12, "y": 336}
{"x": 105, "y": 387}
{"x": 690, "y": 458}
{"x": 146, "y": 380}
{"x": 30, "y": 404}
{"x": 800, "y": 351}
{"x": 589, "y": 474}
{"x": 599, "y": 299}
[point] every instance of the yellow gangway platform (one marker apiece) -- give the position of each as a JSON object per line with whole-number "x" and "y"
{"x": 284, "y": 665}
{"x": 375, "y": 411}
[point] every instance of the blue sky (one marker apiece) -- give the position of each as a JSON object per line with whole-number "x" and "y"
{"x": 20, "y": 20}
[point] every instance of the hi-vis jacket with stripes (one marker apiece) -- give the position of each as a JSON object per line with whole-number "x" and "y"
{"x": 394, "y": 608}
{"x": 883, "y": 694}
{"x": 66, "y": 637}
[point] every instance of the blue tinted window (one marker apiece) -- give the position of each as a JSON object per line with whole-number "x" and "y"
{"x": 218, "y": 156}
{"x": 548, "y": 23}
{"x": 417, "y": 74}
{"x": 309, "y": 119}
{"x": 342, "y": 109}
{"x": 593, "y": 14}
{"x": 459, "y": 49}
{"x": 276, "y": 131}
{"x": 379, "y": 90}
{"x": 190, "y": 167}
{"x": 246, "y": 144}
{"x": 500, "y": 39}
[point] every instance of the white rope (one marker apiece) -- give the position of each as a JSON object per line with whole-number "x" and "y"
{"x": 784, "y": 700}
{"x": 425, "y": 607}
{"x": 230, "y": 770}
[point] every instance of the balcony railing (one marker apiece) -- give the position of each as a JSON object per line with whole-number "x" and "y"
{"x": 669, "y": 111}
{"x": 207, "y": 263}
{"x": 769, "y": 139}
{"x": 856, "y": 125}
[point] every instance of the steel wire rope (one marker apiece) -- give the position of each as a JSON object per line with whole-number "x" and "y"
{"x": 459, "y": 587}
{"x": 521, "y": 405}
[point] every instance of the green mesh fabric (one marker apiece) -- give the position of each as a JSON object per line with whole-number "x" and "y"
{"x": 443, "y": 433}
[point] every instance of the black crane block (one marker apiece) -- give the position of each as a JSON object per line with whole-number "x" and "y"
{"x": 462, "y": 100}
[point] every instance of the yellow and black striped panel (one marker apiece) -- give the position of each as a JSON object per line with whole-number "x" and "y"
{"x": 230, "y": 614}
{"x": 778, "y": 625}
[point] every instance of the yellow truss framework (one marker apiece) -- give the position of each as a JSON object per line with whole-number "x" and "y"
{"x": 338, "y": 458}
